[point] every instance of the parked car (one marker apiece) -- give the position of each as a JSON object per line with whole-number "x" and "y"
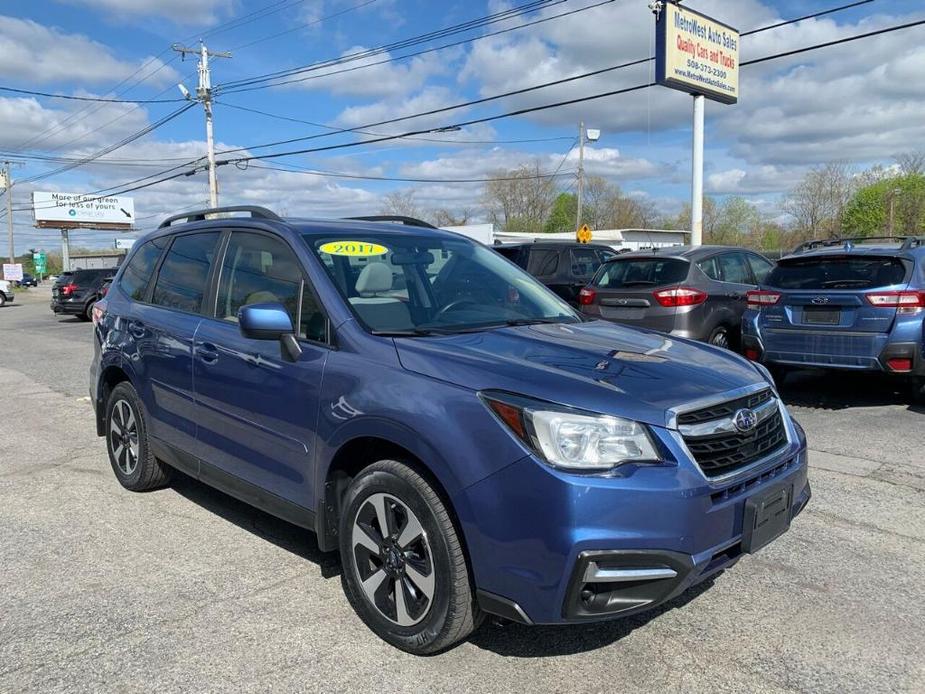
{"x": 565, "y": 267}
{"x": 6, "y": 292}
{"x": 75, "y": 292}
{"x": 27, "y": 281}
{"x": 466, "y": 440}
{"x": 847, "y": 304}
{"x": 696, "y": 292}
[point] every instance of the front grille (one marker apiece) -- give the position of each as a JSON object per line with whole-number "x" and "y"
{"x": 726, "y": 409}
{"x": 720, "y": 454}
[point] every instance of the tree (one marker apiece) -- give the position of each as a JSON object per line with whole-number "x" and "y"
{"x": 868, "y": 213}
{"x": 400, "y": 203}
{"x": 818, "y": 201}
{"x": 911, "y": 162}
{"x": 446, "y": 218}
{"x": 519, "y": 200}
{"x": 562, "y": 216}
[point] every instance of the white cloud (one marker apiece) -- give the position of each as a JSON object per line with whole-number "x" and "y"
{"x": 31, "y": 53}
{"x": 375, "y": 76}
{"x": 177, "y": 11}
{"x": 428, "y": 99}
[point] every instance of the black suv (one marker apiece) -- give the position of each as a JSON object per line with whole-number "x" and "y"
{"x": 565, "y": 267}
{"x": 79, "y": 290}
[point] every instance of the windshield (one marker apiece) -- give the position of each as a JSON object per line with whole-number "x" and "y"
{"x": 837, "y": 272}
{"x": 420, "y": 284}
{"x": 641, "y": 272}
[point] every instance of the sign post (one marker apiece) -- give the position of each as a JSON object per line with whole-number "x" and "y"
{"x": 698, "y": 55}
{"x": 39, "y": 263}
{"x": 66, "y": 211}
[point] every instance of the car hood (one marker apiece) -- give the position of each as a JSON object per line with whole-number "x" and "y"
{"x": 595, "y": 366}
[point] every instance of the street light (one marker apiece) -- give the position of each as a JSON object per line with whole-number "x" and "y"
{"x": 593, "y": 135}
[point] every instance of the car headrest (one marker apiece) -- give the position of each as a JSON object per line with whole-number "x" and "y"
{"x": 375, "y": 277}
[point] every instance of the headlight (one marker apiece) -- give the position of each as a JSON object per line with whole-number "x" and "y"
{"x": 573, "y": 440}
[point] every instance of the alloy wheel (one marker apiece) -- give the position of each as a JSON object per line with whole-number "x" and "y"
{"x": 393, "y": 559}
{"x": 123, "y": 437}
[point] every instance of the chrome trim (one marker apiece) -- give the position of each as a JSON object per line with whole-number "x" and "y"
{"x": 671, "y": 415}
{"x": 595, "y": 574}
{"x": 748, "y": 470}
{"x": 726, "y": 425}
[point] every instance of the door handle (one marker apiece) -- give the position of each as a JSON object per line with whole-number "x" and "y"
{"x": 207, "y": 353}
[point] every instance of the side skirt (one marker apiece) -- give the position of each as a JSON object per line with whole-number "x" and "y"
{"x": 234, "y": 486}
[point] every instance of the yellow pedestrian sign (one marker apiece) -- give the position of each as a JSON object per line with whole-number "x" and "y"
{"x": 584, "y": 234}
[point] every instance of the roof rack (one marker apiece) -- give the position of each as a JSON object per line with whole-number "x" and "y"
{"x": 200, "y": 215}
{"x": 394, "y": 218}
{"x": 906, "y": 242}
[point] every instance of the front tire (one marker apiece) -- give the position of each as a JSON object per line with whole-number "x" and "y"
{"x": 404, "y": 567}
{"x": 2, "y": 300}
{"x": 127, "y": 443}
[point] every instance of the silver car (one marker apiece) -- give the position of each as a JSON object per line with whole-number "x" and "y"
{"x": 695, "y": 292}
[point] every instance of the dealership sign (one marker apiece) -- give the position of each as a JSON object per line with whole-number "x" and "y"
{"x": 79, "y": 211}
{"x": 696, "y": 54}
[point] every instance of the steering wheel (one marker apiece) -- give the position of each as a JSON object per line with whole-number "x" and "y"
{"x": 456, "y": 303}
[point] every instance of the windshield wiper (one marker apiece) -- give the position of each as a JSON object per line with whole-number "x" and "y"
{"x": 415, "y": 332}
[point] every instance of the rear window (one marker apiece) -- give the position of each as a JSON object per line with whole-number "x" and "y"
{"x": 838, "y": 272}
{"x": 640, "y": 272}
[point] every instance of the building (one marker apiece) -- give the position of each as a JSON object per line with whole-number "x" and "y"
{"x": 619, "y": 239}
{"x": 97, "y": 261}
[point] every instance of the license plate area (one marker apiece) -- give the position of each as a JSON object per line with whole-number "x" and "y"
{"x": 767, "y": 517}
{"x": 821, "y": 316}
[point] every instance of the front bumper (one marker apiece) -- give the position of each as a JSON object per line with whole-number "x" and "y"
{"x": 533, "y": 532}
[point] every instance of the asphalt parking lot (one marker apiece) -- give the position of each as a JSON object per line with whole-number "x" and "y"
{"x": 188, "y": 589}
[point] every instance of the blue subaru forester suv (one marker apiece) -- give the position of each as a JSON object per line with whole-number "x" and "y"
{"x": 849, "y": 304}
{"x": 467, "y": 441}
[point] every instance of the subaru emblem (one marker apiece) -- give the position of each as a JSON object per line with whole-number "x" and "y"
{"x": 745, "y": 420}
{"x": 820, "y": 300}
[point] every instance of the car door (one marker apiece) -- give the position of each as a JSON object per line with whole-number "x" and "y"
{"x": 736, "y": 275}
{"x": 162, "y": 330}
{"x": 257, "y": 411}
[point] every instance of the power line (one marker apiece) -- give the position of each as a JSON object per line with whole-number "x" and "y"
{"x": 417, "y": 53}
{"x": 567, "y": 102}
{"x": 403, "y": 43}
{"x": 515, "y": 92}
{"x": 420, "y": 139}
{"x": 306, "y": 24}
{"x": 335, "y": 174}
{"x": 97, "y": 99}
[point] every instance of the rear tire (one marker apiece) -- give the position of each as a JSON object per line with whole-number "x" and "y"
{"x": 130, "y": 454}
{"x": 779, "y": 373}
{"x": 917, "y": 390}
{"x": 409, "y": 583}
{"x": 87, "y": 314}
{"x": 721, "y": 337}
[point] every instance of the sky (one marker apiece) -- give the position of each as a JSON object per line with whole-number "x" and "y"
{"x": 861, "y": 103}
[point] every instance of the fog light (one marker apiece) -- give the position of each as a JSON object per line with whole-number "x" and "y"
{"x": 899, "y": 364}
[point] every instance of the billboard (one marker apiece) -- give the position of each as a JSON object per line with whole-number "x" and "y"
{"x": 696, "y": 54}
{"x": 79, "y": 211}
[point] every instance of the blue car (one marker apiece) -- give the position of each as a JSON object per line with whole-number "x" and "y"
{"x": 849, "y": 304}
{"x": 468, "y": 442}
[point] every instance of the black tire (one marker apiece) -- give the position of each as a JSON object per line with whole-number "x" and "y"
{"x": 450, "y": 614}
{"x": 721, "y": 337}
{"x": 87, "y": 314}
{"x": 779, "y": 373}
{"x": 917, "y": 390}
{"x": 130, "y": 454}
{"x": 2, "y": 299}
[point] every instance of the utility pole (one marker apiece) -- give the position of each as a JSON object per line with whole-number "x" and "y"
{"x": 6, "y": 177}
{"x": 204, "y": 96}
{"x": 697, "y": 174}
{"x": 581, "y": 170}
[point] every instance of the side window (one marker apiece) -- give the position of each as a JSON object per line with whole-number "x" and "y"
{"x": 761, "y": 267}
{"x": 138, "y": 272}
{"x": 709, "y": 267}
{"x": 733, "y": 268}
{"x": 543, "y": 261}
{"x": 312, "y": 323}
{"x": 260, "y": 269}
{"x": 181, "y": 281}
{"x": 584, "y": 262}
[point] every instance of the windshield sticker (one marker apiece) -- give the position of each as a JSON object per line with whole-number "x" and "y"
{"x": 353, "y": 248}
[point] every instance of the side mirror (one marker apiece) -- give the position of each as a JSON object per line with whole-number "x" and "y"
{"x": 270, "y": 322}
